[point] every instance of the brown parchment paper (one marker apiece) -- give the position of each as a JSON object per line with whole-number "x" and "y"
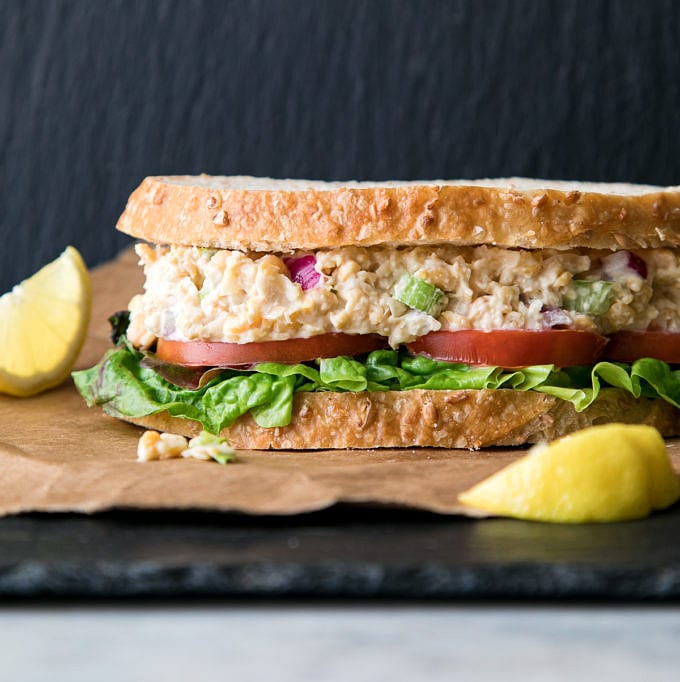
{"x": 58, "y": 455}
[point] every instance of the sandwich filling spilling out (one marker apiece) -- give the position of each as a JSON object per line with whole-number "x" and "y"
{"x": 218, "y": 333}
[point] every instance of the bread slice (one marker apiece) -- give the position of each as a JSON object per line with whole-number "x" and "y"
{"x": 420, "y": 418}
{"x": 283, "y": 215}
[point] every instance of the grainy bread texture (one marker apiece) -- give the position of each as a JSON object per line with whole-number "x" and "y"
{"x": 259, "y": 214}
{"x": 420, "y": 418}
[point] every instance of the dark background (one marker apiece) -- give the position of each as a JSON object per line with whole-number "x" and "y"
{"x": 96, "y": 94}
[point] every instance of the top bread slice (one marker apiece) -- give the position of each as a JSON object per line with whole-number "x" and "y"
{"x": 260, "y": 214}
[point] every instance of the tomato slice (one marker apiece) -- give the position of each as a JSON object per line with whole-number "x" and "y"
{"x": 512, "y": 348}
{"x": 217, "y": 354}
{"x": 628, "y": 346}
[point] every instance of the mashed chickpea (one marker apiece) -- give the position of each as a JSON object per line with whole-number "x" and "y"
{"x": 235, "y": 297}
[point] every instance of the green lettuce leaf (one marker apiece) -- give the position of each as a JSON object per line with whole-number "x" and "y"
{"x": 125, "y": 387}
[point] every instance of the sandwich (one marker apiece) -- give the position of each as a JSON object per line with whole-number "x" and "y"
{"x": 291, "y": 314}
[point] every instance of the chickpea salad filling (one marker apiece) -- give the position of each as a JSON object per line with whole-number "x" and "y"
{"x": 234, "y": 297}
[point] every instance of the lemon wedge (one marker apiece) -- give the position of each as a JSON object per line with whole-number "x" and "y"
{"x": 43, "y": 322}
{"x": 612, "y": 472}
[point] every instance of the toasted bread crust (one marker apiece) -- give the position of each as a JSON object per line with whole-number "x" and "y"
{"x": 280, "y": 216}
{"x": 420, "y": 418}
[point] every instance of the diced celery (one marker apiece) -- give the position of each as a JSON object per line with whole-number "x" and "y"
{"x": 209, "y": 446}
{"x": 418, "y": 294}
{"x": 591, "y": 298}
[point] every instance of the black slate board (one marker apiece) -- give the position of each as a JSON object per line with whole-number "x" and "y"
{"x": 344, "y": 552}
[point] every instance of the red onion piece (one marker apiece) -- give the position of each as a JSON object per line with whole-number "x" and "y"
{"x": 302, "y": 271}
{"x": 168, "y": 319}
{"x": 622, "y": 264}
{"x": 555, "y": 317}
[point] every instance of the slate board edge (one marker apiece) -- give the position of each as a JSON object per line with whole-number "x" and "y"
{"x": 111, "y": 579}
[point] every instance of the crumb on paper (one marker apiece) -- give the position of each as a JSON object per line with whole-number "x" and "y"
{"x": 154, "y": 445}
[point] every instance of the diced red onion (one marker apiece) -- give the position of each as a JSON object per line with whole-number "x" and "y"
{"x": 555, "y": 317}
{"x": 168, "y": 318}
{"x": 302, "y": 271}
{"x": 621, "y": 264}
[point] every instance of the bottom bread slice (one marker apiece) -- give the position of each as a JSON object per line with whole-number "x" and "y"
{"x": 469, "y": 419}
